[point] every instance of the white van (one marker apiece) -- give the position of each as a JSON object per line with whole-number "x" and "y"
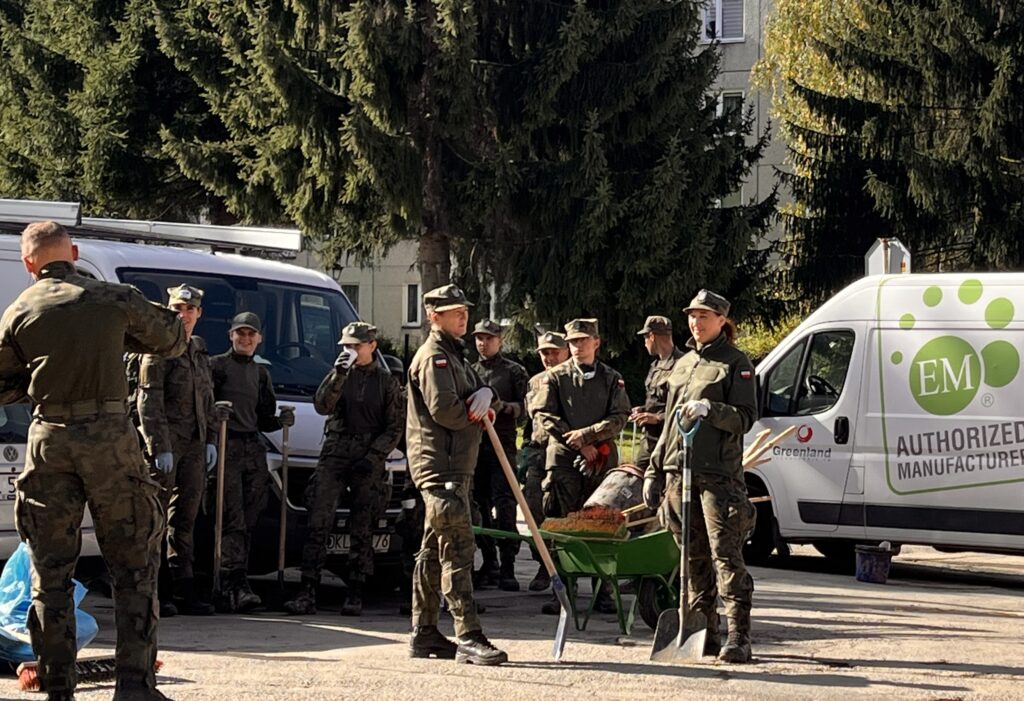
{"x": 303, "y": 313}
{"x": 907, "y": 396}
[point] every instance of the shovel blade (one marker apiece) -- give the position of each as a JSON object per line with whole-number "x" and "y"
{"x": 558, "y": 586}
{"x": 672, "y": 644}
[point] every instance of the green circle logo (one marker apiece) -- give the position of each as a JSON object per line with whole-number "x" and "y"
{"x": 945, "y": 375}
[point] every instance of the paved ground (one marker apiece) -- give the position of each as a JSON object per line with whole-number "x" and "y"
{"x": 943, "y": 627}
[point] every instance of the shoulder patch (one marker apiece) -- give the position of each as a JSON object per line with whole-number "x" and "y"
{"x": 440, "y": 361}
{"x": 622, "y": 383}
{"x": 546, "y": 379}
{"x": 746, "y": 374}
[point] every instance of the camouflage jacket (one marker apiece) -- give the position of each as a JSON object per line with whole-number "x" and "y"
{"x": 533, "y": 432}
{"x": 245, "y": 383}
{"x": 656, "y": 386}
{"x": 364, "y": 400}
{"x": 723, "y": 375}
{"x": 509, "y": 380}
{"x": 64, "y": 338}
{"x": 442, "y": 442}
{"x": 567, "y": 402}
{"x": 175, "y": 399}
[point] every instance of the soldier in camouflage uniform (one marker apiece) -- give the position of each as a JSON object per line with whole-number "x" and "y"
{"x": 713, "y": 382}
{"x": 581, "y": 405}
{"x": 239, "y": 379}
{"x": 492, "y": 491}
{"x": 367, "y": 416}
{"x": 62, "y": 344}
{"x": 657, "y": 334}
{"x": 446, "y": 402}
{"x": 553, "y": 350}
{"x": 175, "y": 408}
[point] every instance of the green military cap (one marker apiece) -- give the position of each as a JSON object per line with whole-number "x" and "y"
{"x": 551, "y": 341}
{"x": 445, "y": 298}
{"x": 488, "y": 327}
{"x": 246, "y": 320}
{"x": 660, "y": 325}
{"x": 358, "y": 332}
{"x": 581, "y": 328}
{"x": 184, "y": 294}
{"x": 711, "y": 301}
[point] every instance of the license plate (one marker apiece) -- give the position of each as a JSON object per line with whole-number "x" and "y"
{"x": 341, "y": 543}
{"x": 7, "y": 488}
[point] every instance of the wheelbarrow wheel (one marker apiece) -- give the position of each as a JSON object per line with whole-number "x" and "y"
{"x": 655, "y": 597}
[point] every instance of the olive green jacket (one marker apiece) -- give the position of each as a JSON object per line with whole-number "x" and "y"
{"x": 441, "y": 441}
{"x": 723, "y": 375}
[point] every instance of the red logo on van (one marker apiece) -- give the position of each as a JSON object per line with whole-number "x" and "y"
{"x": 804, "y": 433}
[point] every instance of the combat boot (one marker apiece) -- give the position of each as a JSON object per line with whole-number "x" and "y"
{"x": 168, "y": 609}
{"x": 137, "y": 690}
{"x": 247, "y": 599}
{"x": 304, "y": 603}
{"x": 353, "y": 605}
{"x": 188, "y": 603}
{"x": 507, "y": 581}
{"x": 541, "y": 580}
{"x": 737, "y": 648}
{"x": 487, "y": 576}
{"x": 604, "y": 603}
{"x": 552, "y": 607}
{"x": 427, "y": 641}
{"x": 713, "y": 641}
{"x": 475, "y": 648}
{"x": 60, "y": 696}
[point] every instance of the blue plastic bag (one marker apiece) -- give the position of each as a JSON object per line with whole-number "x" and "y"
{"x": 15, "y": 601}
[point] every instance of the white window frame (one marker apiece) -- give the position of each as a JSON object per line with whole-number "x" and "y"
{"x": 705, "y": 38}
{"x": 730, "y": 93}
{"x": 406, "y": 323}
{"x": 359, "y": 294}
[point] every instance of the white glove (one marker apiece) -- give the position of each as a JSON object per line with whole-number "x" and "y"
{"x": 696, "y": 409}
{"x": 346, "y": 358}
{"x": 478, "y": 403}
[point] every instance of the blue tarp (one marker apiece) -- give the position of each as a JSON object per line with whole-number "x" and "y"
{"x": 15, "y": 600}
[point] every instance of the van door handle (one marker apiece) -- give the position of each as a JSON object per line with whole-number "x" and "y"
{"x": 842, "y": 430}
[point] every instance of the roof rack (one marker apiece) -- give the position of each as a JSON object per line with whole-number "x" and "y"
{"x": 239, "y": 239}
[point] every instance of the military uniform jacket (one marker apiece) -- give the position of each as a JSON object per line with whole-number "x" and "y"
{"x": 656, "y": 386}
{"x": 363, "y": 401}
{"x": 723, "y": 375}
{"x": 175, "y": 399}
{"x": 533, "y": 431}
{"x": 64, "y": 338}
{"x": 509, "y": 381}
{"x": 442, "y": 442}
{"x": 245, "y": 383}
{"x": 567, "y": 402}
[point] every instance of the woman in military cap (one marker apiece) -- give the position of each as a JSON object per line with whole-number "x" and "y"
{"x": 713, "y": 382}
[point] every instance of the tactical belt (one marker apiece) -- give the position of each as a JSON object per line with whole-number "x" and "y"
{"x": 232, "y": 433}
{"x": 80, "y": 409}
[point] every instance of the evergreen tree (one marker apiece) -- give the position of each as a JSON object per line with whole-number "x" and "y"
{"x": 84, "y": 93}
{"x": 904, "y": 118}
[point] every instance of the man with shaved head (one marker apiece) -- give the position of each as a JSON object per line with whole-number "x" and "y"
{"x": 62, "y": 344}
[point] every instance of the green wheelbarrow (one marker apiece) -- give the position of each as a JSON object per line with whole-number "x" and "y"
{"x": 650, "y": 563}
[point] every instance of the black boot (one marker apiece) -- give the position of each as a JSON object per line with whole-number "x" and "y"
{"x": 187, "y": 601}
{"x": 541, "y": 580}
{"x": 737, "y": 647}
{"x": 137, "y": 690}
{"x": 353, "y": 605}
{"x": 604, "y": 603}
{"x": 475, "y": 648}
{"x": 304, "y": 603}
{"x": 507, "y": 580}
{"x": 713, "y": 641}
{"x": 168, "y": 609}
{"x": 247, "y": 599}
{"x": 487, "y": 576}
{"x": 60, "y": 696}
{"x": 427, "y": 641}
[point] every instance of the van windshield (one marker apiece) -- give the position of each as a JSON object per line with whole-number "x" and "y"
{"x": 301, "y": 325}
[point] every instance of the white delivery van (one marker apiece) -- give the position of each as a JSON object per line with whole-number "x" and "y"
{"x": 907, "y": 396}
{"x": 303, "y": 313}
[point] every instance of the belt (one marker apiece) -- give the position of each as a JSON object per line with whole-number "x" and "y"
{"x": 232, "y": 433}
{"x": 80, "y": 409}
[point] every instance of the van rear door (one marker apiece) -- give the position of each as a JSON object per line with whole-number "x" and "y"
{"x": 814, "y": 385}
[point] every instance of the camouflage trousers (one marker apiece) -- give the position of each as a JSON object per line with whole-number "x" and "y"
{"x": 335, "y": 481}
{"x": 497, "y": 504}
{"x": 721, "y": 515}
{"x": 246, "y": 485}
{"x": 444, "y": 564}
{"x": 181, "y": 495}
{"x": 94, "y": 461}
{"x": 533, "y": 484}
{"x": 566, "y": 489}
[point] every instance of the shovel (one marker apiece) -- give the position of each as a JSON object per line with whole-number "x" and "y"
{"x": 283, "y": 529}
{"x": 680, "y": 635}
{"x": 223, "y": 414}
{"x": 557, "y": 585}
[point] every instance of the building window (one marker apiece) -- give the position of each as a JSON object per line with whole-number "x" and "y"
{"x": 723, "y": 20}
{"x": 733, "y": 199}
{"x": 413, "y": 307}
{"x": 352, "y": 292}
{"x": 731, "y": 103}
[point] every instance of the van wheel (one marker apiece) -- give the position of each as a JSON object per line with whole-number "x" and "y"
{"x": 761, "y": 542}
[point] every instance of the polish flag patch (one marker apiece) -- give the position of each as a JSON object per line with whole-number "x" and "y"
{"x": 622, "y": 383}
{"x": 746, "y": 374}
{"x": 440, "y": 361}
